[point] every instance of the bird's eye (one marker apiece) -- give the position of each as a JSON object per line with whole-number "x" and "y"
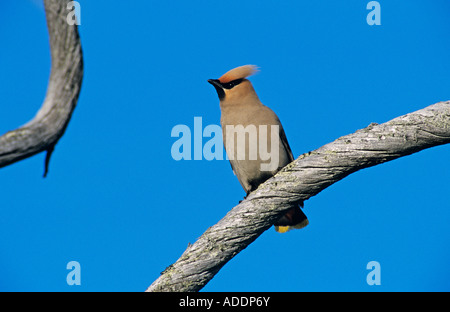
{"x": 231, "y": 84}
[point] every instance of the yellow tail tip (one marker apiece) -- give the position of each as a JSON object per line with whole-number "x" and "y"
{"x": 282, "y": 229}
{"x": 287, "y": 228}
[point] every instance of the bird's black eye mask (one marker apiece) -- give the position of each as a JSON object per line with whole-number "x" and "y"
{"x": 231, "y": 84}
{"x": 220, "y": 86}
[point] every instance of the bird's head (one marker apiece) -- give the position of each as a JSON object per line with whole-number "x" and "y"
{"x": 233, "y": 85}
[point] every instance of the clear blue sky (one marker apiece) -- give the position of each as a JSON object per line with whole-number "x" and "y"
{"x": 116, "y": 201}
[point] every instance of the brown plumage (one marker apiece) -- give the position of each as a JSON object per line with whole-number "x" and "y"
{"x": 244, "y": 114}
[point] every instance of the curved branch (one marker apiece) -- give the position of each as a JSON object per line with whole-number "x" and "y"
{"x": 47, "y": 127}
{"x": 303, "y": 178}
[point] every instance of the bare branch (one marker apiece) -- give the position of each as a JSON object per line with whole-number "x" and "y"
{"x": 305, "y": 177}
{"x": 47, "y": 127}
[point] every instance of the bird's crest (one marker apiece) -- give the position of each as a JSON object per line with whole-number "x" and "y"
{"x": 240, "y": 72}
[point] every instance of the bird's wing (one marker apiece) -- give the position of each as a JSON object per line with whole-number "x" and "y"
{"x": 241, "y": 180}
{"x": 285, "y": 143}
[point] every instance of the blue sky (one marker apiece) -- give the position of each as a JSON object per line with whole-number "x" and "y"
{"x": 116, "y": 202}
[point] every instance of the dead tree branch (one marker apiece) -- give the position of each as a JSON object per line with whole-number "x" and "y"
{"x": 47, "y": 127}
{"x": 303, "y": 178}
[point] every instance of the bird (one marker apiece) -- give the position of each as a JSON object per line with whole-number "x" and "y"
{"x": 242, "y": 113}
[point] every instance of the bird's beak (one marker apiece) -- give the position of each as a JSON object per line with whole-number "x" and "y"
{"x": 215, "y": 82}
{"x": 219, "y": 89}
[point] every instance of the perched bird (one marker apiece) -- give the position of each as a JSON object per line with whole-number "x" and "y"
{"x": 250, "y": 130}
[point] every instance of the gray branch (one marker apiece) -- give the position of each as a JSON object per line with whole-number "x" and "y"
{"x": 47, "y": 127}
{"x": 303, "y": 178}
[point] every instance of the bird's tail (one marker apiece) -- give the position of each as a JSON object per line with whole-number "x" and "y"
{"x": 293, "y": 219}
